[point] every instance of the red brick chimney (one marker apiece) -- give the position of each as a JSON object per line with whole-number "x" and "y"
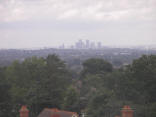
{"x": 126, "y": 111}
{"x": 24, "y": 112}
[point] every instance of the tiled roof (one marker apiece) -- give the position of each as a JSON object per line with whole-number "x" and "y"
{"x": 56, "y": 113}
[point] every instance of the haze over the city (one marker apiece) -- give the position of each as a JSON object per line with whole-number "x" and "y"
{"x": 50, "y": 23}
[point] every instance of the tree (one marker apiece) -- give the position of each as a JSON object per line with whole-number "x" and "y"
{"x": 71, "y": 100}
{"x": 38, "y": 82}
{"x": 23, "y": 77}
{"x": 50, "y": 89}
{"x": 5, "y": 97}
{"x": 137, "y": 85}
{"x": 96, "y": 66}
{"x": 143, "y": 74}
{"x": 99, "y": 104}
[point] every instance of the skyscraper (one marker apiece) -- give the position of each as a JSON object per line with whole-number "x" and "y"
{"x": 99, "y": 45}
{"x": 87, "y": 44}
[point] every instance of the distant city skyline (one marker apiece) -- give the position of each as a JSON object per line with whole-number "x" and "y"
{"x": 50, "y": 23}
{"x": 83, "y": 44}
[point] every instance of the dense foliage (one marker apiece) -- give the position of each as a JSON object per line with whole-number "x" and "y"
{"x": 98, "y": 90}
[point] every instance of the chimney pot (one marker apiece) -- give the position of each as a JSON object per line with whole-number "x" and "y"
{"x": 24, "y": 112}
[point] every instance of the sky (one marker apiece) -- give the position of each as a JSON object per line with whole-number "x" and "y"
{"x": 50, "y": 23}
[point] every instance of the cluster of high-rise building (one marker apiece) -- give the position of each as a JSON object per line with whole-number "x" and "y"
{"x": 87, "y": 45}
{"x": 84, "y": 44}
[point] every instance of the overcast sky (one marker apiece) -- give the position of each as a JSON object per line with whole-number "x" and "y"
{"x": 46, "y": 23}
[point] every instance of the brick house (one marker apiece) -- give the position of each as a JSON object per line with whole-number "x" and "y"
{"x": 56, "y": 113}
{"x": 47, "y": 112}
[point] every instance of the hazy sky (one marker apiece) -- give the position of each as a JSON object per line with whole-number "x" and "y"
{"x": 46, "y": 23}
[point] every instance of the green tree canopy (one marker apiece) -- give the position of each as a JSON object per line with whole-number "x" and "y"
{"x": 96, "y": 66}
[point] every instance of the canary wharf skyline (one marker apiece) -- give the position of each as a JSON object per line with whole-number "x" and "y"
{"x": 50, "y": 23}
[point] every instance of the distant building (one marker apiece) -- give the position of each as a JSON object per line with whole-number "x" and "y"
{"x": 92, "y": 45}
{"x": 62, "y": 46}
{"x": 80, "y": 44}
{"x": 99, "y": 45}
{"x": 87, "y": 44}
